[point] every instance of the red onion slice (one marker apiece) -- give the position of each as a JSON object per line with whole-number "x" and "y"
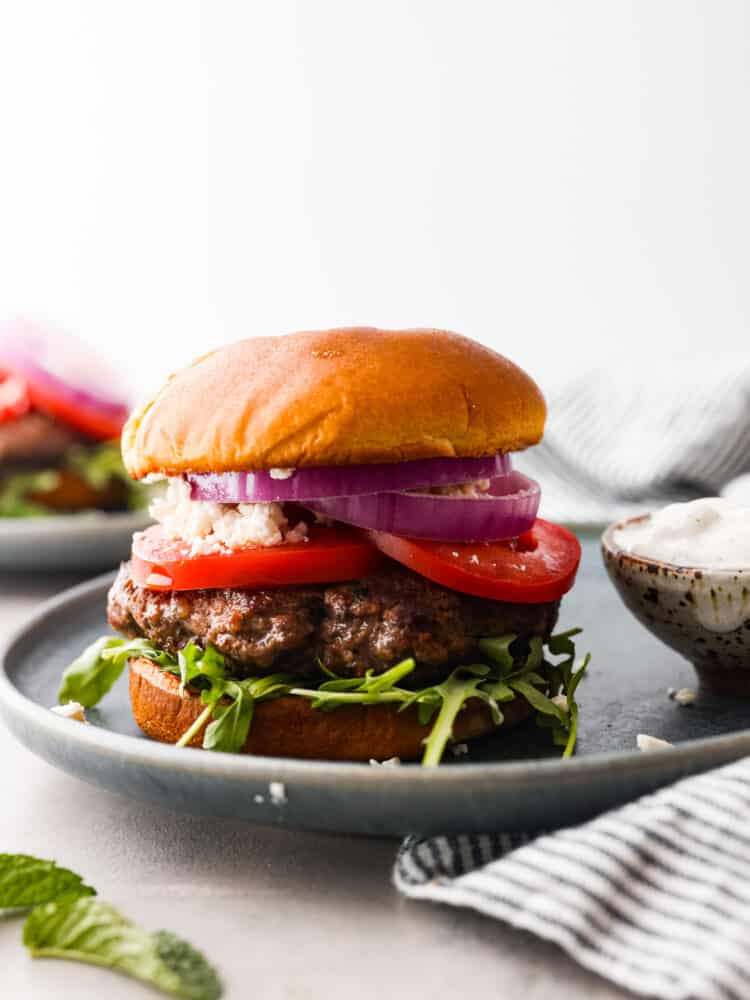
{"x": 345, "y": 480}
{"x": 507, "y": 511}
{"x": 61, "y": 371}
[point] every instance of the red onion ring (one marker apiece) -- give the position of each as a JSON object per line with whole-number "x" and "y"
{"x": 508, "y": 510}
{"x": 345, "y": 480}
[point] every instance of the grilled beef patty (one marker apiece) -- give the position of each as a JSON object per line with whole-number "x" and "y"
{"x": 34, "y": 440}
{"x": 350, "y": 627}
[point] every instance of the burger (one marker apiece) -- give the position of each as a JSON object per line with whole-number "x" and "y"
{"x": 59, "y": 430}
{"x": 345, "y": 563}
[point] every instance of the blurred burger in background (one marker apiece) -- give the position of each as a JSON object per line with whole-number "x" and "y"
{"x": 61, "y": 414}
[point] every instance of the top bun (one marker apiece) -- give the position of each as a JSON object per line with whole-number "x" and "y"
{"x": 335, "y": 397}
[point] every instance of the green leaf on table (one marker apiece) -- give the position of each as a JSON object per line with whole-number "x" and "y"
{"x": 86, "y": 930}
{"x": 25, "y": 882}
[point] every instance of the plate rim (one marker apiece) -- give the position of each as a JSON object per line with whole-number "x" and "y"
{"x": 313, "y": 773}
{"x": 84, "y": 520}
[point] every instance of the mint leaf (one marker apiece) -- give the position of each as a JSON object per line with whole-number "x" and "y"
{"x": 198, "y": 979}
{"x": 86, "y": 930}
{"x": 25, "y": 882}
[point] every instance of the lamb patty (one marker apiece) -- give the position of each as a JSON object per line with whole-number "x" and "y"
{"x": 351, "y": 627}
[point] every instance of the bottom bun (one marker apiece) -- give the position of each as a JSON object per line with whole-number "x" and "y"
{"x": 289, "y": 727}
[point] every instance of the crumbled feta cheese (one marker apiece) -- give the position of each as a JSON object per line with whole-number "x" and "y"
{"x": 685, "y": 696}
{"x": 258, "y": 799}
{"x": 281, "y": 473}
{"x": 277, "y": 791}
{"x": 459, "y": 749}
{"x": 561, "y": 701}
{"x": 390, "y": 762}
{"x": 217, "y": 527}
{"x": 72, "y": 710}
{"x": 648, "y": 743}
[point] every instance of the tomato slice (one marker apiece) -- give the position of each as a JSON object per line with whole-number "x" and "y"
{"x": 330, "y": 553}
{"x": 98, "y": 423}
{"x": 538, "y": 566}
{"x": 14, "y": 398}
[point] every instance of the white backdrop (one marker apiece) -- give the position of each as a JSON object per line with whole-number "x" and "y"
{"x": 561, "y": 180}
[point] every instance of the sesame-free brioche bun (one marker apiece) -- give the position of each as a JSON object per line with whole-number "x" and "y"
{"x": 335, "y": 397}
{"x": 290, "y": 727}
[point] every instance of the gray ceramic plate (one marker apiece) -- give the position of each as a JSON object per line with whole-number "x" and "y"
{"x": 506, "y": 783}
{"x": 90, "y": 541}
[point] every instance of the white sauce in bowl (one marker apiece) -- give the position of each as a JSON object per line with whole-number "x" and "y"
{"x": 712, "y": 533}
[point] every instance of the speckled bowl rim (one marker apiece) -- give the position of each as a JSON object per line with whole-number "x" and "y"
{"x": 612, "y": 549}
{"x": 521, "y": 777}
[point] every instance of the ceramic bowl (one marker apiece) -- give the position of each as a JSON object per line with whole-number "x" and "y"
{"x": 702, "y": 614}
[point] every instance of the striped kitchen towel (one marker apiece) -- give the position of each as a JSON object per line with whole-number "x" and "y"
{"x": 654, "y": 896}
{"x": 623, "y": 439}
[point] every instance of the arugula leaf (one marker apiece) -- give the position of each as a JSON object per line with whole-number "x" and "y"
{"x": 16, "y": 491}
{"x": 518, "y": 668}
{"x": 498, "y": 651}
{"x": 25, "y": 882}
{"x": 101, "y": 464}
{"x": 86, "y": 930}
{"x": 538, "y": 700}
{"x": 228, "y": 732}
{"x": 92, "y": 675}
{"x": 451, "y": 696}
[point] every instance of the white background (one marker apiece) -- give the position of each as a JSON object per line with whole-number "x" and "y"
{"x": 564, "y": 181}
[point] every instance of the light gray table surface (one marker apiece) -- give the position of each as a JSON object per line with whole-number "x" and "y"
{"x": 282, "y": 914}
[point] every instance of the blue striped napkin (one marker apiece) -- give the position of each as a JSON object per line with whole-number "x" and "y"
{"x": 621, "y": 440}
{"x": 654, "y": 896}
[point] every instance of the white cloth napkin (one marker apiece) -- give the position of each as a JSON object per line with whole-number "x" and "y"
{"x": 625, "y": 438}
{"x": 654, "y": 896}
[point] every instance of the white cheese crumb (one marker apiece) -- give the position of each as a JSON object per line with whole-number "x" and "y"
{"x": 216, "y": 527}
{"x": 258, "y": 799}
{"x": 72, "y": 710}
{"x": 390, "y": 762}
{"x": 685, "y": 696}
{"x": 648, "y": 743}
{"x": 277, "y": 790}
{"x": 281, "y": 473}
{"x": 561, "y": 701}
{"x": 459, "y": 749}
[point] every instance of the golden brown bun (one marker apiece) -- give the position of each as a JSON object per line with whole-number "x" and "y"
{"x": 289, "y": 727}
{"x": 335, "y": 397}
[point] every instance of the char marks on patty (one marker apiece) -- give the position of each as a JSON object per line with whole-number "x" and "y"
{"x": 350, "y": 627}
